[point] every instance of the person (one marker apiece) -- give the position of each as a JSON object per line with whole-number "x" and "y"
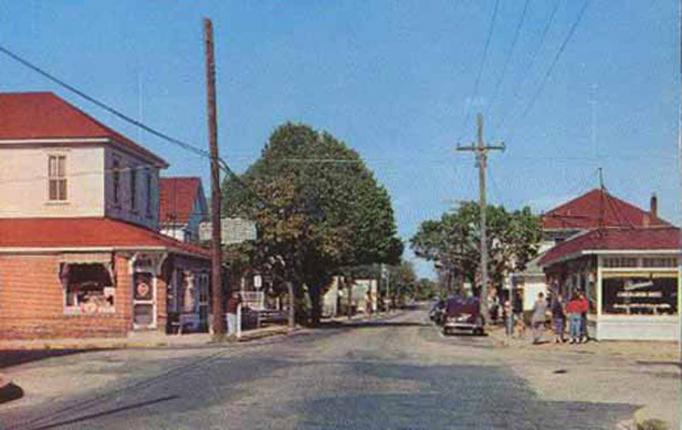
{"x": 538, "y": 318}
{"x": 368, "y": 304}
{"x": 508, "y": 316}
{"x": 232, "y": 305}
{"x": 558, "y": 318}
{"x": 575, "y": 309}
{"x": 583, "y": 317}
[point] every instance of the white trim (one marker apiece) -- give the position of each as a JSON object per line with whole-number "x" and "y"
{"x": 676, "y": 251}
{"x": 43, "y": 250}
{"x": 58, "y": 140}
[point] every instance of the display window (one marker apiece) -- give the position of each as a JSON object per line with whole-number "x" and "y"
{"x": 88, "y": 288}
{"x": 640, "y": 294}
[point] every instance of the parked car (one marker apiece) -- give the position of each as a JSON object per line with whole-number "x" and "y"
{"x": 463, "y": 313}
{"x": 437, "y": 311}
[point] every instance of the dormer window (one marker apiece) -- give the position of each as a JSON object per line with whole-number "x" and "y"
{"x": 56, "y": 173}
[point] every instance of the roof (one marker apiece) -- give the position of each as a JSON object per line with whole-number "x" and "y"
{"x": 177, "y": 198}
{"x": 661, "y": 238}
{"x": 60, "y": 233}
{"x": 44, "y": 115}
{"x": 585, "y": 212}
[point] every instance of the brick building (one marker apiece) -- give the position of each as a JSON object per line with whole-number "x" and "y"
{"x": 80, "y": 251}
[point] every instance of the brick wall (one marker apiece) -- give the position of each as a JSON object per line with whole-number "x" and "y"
{"x": 32, "y": 301}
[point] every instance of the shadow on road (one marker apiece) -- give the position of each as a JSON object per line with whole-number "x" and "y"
{"x": 352, "y": 325}
{"x": 14, "y": 357}
{"x": 10, "y": 392}
{"x": 107, "y": 412}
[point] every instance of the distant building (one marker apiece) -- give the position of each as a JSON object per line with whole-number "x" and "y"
{"x": 80, "y": 251}
{"x": 182, "y": 207}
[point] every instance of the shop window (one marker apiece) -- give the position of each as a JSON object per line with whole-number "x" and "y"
{"x": 659, "y": 262}
{"x": 88, "y": 288}
{"x": 640, "y": 295}
{"x": 620, "y": 262}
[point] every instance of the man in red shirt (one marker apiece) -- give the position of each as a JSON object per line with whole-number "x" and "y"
{"x": 575, "y": 309}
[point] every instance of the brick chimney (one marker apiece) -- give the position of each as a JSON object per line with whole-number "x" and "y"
{"x": 653, "y": 208}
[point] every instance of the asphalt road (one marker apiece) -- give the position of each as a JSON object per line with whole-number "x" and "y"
{"x": 398, "y": 373}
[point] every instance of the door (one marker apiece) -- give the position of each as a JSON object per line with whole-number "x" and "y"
{"x": 144, "y": 301}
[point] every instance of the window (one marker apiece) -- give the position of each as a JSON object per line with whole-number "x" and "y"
{"x": 640, "y": 295}
{"x": 620, "y": 262}
{"x": 149, "y": 193}
{"x": 88, "y": 288}
{"x": 116, "y": 180}
{"x": 56, "y": 173}
{"x": 133, "y": 188}
{"x": 660, "y": 262}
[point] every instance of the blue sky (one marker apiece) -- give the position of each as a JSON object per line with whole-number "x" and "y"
{"x": 393, "y": 79}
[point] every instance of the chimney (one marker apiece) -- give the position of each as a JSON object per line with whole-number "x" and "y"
{"x": 653, "y": 208}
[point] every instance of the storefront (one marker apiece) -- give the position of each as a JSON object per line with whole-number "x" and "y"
{"x": 630, "y": 276}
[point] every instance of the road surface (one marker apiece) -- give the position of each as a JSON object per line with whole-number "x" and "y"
{"x": 398, "y": 373}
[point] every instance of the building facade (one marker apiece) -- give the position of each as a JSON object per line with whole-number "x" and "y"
{"x": 183, "y": 208}
{"x": 80, "y": 252}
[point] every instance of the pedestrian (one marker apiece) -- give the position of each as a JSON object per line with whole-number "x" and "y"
{"x": 368, "y": 304}
{"x": 583, "y": 318}
{"x": 508, "y": 315}
{"x": 558, "y": 318}
{"x": 232, "y": 305}
{"x": 538, "y": 318}
{"x": 575, "y": 309}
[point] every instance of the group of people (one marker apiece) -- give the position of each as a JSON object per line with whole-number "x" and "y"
{"x": 575, "y": 312}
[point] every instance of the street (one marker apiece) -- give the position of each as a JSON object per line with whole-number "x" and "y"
{"x": 396, "y": 373}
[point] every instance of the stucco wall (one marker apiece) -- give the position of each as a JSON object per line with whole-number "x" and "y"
{"x": 24, "y": 182}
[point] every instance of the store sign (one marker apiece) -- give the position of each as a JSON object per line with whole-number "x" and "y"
{"x": 233, "y": 231}
{"x": 640, "y": 295}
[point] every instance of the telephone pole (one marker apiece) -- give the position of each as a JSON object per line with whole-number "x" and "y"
{"x": 218, "y": 322}
{"x": 481, "y": 151}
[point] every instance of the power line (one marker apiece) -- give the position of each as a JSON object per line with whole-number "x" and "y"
{"x": 480, "y": 69}
{"x": 533, "y": 58}
{"x": 517, "y": 32}
{"x": 543, "y": 82}
{"x": 187, "y": 146}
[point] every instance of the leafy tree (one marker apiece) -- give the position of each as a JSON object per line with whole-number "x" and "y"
{"x": 453, "y": 241}
{"x": 318, "y": 209}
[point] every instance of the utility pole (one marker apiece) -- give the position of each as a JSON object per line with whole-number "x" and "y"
{"x": 481, "y": 151}
{"x": 218, "y": 322}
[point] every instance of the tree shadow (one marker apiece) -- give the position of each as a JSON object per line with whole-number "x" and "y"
{"x": 353, "y": 325}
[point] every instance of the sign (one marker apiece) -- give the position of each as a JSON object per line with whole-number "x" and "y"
{"x": 257, "y": 282}
{"x": 233, "y": 231}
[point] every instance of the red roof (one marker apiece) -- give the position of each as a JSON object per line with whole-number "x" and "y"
{"x": 585, "y": 212}
{"x": 86, "y": 233}
{"x": 177, "y": 198}
{"x": 615, "y": 239}
{"x": 44, "y": 115}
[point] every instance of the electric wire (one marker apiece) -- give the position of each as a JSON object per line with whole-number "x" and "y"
{"x": 491, "y": 29}
{"x": 549, "y": 71}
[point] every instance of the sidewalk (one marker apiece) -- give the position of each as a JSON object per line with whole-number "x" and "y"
{"x": 150, "y": 339}
{"x": 642, "y": 373}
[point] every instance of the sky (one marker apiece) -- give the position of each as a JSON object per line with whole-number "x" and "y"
{"x": 395, "y": 80}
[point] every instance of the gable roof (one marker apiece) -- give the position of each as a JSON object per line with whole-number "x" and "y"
{"x": 584, "y": 212}
{"x": 67, "y": 233}
{"x": 177, "y": 198}
{"x": 44, "y": 115}
{"x": 660, "y": 238}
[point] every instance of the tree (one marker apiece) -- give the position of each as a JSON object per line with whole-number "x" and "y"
{"x": 317, "y": 206}
{"x": 453, "y": 243}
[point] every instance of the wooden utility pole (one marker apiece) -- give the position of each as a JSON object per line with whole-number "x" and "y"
{"x": 481, "y": 150}
{"x": 218, "y": 322}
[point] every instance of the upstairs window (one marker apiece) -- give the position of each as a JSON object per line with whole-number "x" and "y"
{"x": 149, "y": 192}
{"x": 133, "y": 188}
{"x": 116, "y": 180}
{"x": 56, "y": 173}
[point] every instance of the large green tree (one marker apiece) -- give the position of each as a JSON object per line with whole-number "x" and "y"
{"x": 453, "y": 241}
{"x": 318, "y": 209}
